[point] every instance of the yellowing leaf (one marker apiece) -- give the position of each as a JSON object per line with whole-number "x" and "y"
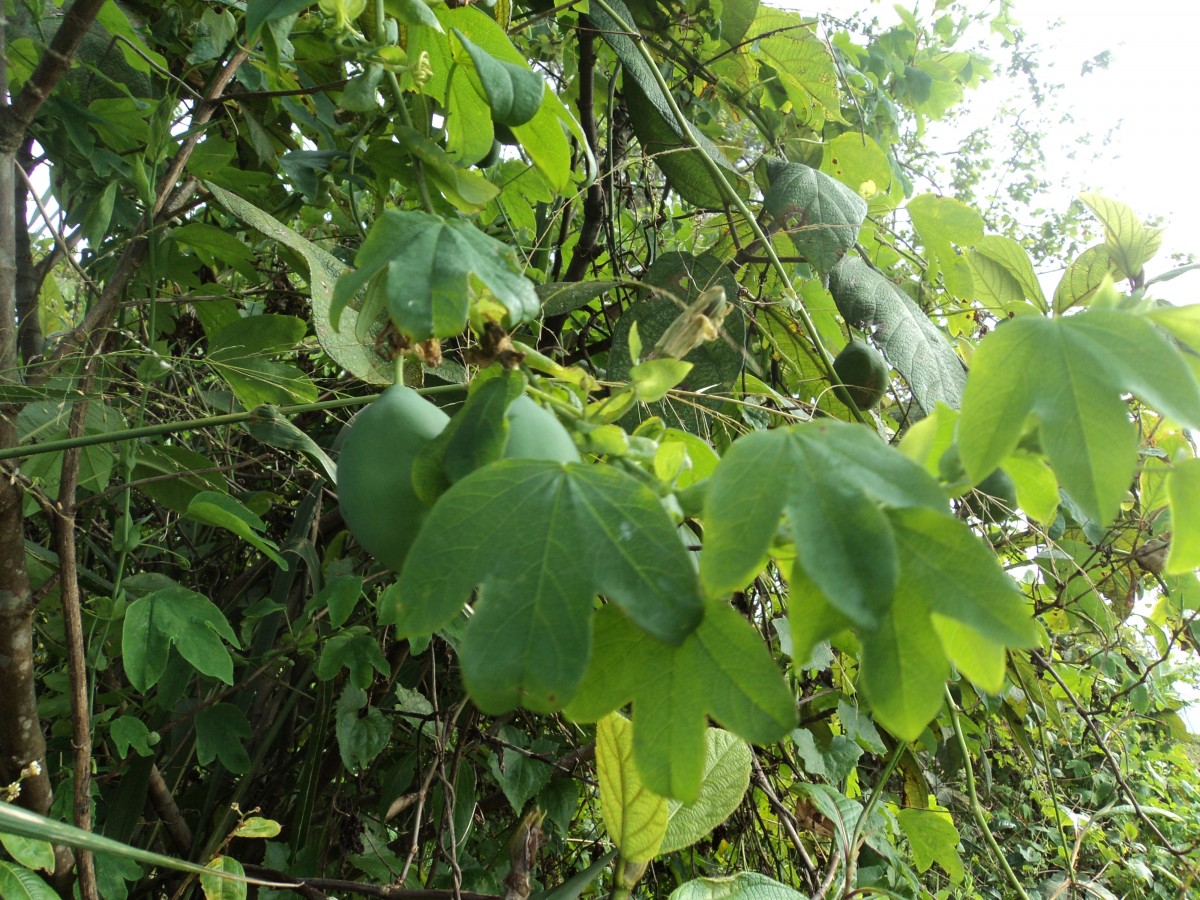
{"x": 636, "y": 817}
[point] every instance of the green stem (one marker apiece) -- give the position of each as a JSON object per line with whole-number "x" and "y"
{"x": 872, "y": 802}
{"x": 718, "y": 177}
{"x": 976, "y": 808}
{"x": 131, "y": 434}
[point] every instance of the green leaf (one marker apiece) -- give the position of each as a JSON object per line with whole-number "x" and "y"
{"x": 215, "y": 247}
{"x": 960, "y": 579}
{"x": 833, "y": 763}
{"x": 237, "y": 352}
{"x": 426, "y": 267}
{"x": 130, "y": 732}
{"x": 636, "y": 817}
{"x": 324, "y": 269}
{"x": 528, "y": 641}
{"x": 940, "y": 223}
{"x": 361, "y": 736}
{"x": 1129, "y": 243}
{"x": 513, "y": 92}
{"x": 340, "y": 595}
{"x": 802, "y": 64}
{"x": 723, "y": 669}
{"x": 910, "y": 342}
{"x": 29, "y": 852}
{"x": 1015, "y": 261}
{"x": 658, "y": 131}
{"x": 566, "y": 296}
{"x": 1084, "y": 276}
{"x": 469, "y": 191}
{"x": 48, "y": 421}
{"x": 933, "y": 838}
{"x": 217, "y": 888}
{"x": 180, "y": 617}
{"x": 820, "y": 214}
{"x": 653, "y": 379}
{"x": 274, "y": 430}
{"x": 826, "y": 481}
{"x": 17, "y": 883}
{"x": 1070, "y": 373}
{"x": 858, "y": 162}
{"x": 742, "y": 886}
{"x": 355, "y": 649}
{"x": 257, "y": 827}
{"x": 1183, "y": 492}
{"x": 724, "y": 782}
{"x": 519, "y": 776}
{"x": 261, "y": 12}
{"x": 994, "y": 285}
{"x": 412, "y": 12}
{"x": 223, "y": 511}
{"x": 220, "y": 731}
{"x": 904, "y": 668}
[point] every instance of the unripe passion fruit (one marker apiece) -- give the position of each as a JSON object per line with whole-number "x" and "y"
{"x": 375, "y": 488}
{"x": 863, "y": 371}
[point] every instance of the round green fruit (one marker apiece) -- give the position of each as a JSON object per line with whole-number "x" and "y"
{"x": 375, "y": 486}
{"x": 864, "y": 372}
{"x": 536, "y": 433}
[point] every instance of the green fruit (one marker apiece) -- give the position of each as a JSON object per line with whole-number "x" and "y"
{"x": 994, "y": 499}
{"x": 536, "y": 433}
{"x": 375, "y": 484}
{"x": 863, "y": 371}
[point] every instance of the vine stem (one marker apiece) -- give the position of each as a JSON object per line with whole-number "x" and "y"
{"x": 976, "y": 808}
{"x": 130, "y": 434}
{"x": 718, "y": 177}
{"x": 856, "y": 837}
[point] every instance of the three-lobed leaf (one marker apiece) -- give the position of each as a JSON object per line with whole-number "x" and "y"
{"x": 539, "y": 540}
{"x": 1070, "y": 373}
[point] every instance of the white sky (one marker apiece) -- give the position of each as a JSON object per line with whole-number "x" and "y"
{"x": 1148, "y": 89}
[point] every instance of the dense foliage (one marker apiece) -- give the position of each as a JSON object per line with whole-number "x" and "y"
{"x": 744, "y": 517}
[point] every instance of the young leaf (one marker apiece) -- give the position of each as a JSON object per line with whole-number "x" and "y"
{"x": 1070, "y": 373}
{"x": 1130, "y": 244}
{"x": 424, "y": 266}
{"x": 636, "y": 817}
{"x": 513, "y": 92}
{"x": 910, "y": 342}
{"x": 180, "y": 617}
{"x": 1083, "y": 278}
{"x": 529, "y": 640}
{"x": 723, "y": 669}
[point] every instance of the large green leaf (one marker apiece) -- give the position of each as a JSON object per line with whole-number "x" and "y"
{"x": 17, "y": 883}
{"x": 1014, "y": 259}
{"x": 942, "y": 222}
{"x": 827, "y": 481}
{"x": 49, "y": 421}
{"x": 910, "y": 342}
{"x": 723, "y": 785}
{"x": 933, "y": 838}
{"x": 635, "y": 816}
{"x": 819, "y": 213}
{"x": 427, "y": 269}
{"x": 1069, "y": 373}
{"x": 1183, "y": 491}
{"x": 657, "y": 130}
{"x": 514, "y": 92}
{"x": 324, "y": 269}
{"x": 723, "y": 669}
{"x": 801, "y": 62}
{"x": 539, "y": 540}
{"x": 175, "y": 616}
